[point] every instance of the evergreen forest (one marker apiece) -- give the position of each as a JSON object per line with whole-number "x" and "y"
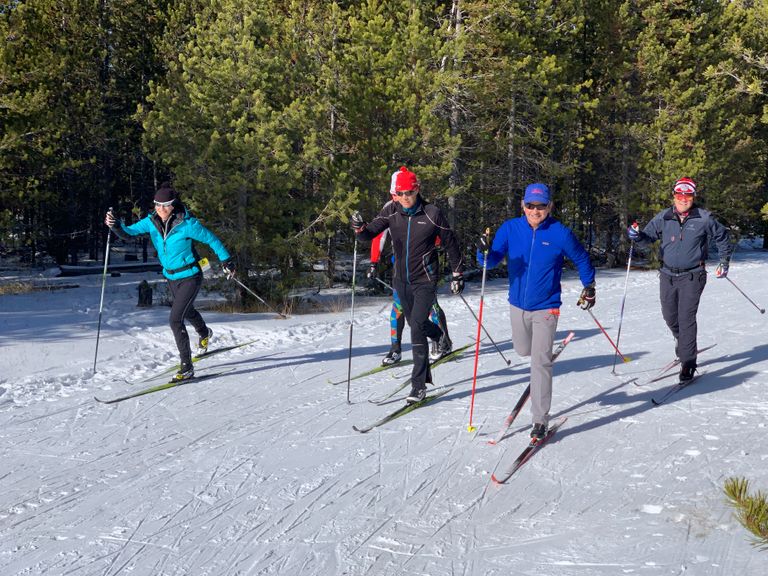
{"x": 276, "y": 119}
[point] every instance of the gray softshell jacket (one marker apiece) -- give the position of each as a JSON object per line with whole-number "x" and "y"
{"x": 685, "y": 245}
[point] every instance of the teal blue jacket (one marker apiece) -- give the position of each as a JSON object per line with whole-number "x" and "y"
{"x": 173, "y": 240}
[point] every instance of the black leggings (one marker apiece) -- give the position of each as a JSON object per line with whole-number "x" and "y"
{"x": 184, "y": 292}
{"x": 417, "y": 300}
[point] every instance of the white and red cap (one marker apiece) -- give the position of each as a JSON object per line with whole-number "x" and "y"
{"x": 685, "y": 186}
{"x": 392, "y": 183}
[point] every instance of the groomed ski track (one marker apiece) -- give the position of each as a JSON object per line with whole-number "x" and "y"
{"x": 258, "y": 472}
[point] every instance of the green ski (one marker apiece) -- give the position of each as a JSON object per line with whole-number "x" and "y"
{"x": 448, "y": 357}
{"x": 159, "y": 387}
{"x": 402, "y": 411}
{"x": 196, "y": 358}
{"x": 373, "y": 371}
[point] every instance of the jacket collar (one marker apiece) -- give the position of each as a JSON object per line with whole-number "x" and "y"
{"x": 546, "y": 223}
{"x": 419, "y": 207}
{"x": 177, "y": 217}
{"x": 670, "y": 214}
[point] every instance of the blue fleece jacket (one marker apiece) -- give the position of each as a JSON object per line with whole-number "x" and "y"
{"x": 535, "y": 261}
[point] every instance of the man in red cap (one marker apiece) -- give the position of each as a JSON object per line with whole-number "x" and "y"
{"x": 685, "y": 231}
{"x": 415, "y": 225}
{"x": 396, "y": 318}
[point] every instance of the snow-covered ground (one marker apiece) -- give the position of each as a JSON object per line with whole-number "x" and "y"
{"x": 258, "y": 471}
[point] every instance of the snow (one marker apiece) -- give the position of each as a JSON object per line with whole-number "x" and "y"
{"x": 258, "y": 471}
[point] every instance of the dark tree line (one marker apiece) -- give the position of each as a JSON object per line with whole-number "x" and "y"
{"x": 277, "y": 118}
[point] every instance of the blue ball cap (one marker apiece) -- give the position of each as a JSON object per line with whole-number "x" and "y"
{"x": 536, "y": 192}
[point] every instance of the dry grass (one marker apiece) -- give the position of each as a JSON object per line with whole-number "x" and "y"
{"x": 289, "y": 306}
{"x": 16, "y": 287}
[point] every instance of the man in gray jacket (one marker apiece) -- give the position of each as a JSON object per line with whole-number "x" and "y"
{"x": 685, "y": 231}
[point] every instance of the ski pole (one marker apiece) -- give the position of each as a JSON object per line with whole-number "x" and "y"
{"x": 485, "y": 330}
{"x": 385, "y": 284}
{"x": 259, "y": 298}
{"x": 471, "y": 428}
{"x": 762, "y": 310}
{"x": 623, "y": 300}
{"x": 101, "y": 300}
{"x": 351, "y": 318}
{"x": 625, "y": 358}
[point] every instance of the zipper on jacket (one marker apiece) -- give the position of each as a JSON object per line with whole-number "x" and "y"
{"x": 166, "y": 231}
{"x": 530, "y": 263}
{"x": 407, "y": 251}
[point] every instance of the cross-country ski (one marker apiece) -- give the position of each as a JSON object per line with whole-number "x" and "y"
{"x": 164, "y": 386}
{"x": 533, "y": 446}
{"x": 401, "y": 411}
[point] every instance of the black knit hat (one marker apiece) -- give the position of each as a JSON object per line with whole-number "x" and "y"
{"x": 166, "y": 193}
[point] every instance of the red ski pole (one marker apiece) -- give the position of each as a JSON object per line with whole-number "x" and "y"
{"x": 625, "y": 358}
{"x": 471, "y": 428}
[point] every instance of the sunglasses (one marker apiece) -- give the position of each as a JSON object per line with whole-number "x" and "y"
{"x": 164, "y": 204}
{"x": 530, "y": 206}
{"x": 406, "y": 193}
{"x": 682, "y": 196}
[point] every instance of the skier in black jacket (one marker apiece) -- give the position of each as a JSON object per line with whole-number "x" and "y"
{"x": 415, "y": 225}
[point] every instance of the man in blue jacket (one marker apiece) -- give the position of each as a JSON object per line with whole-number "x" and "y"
{"x": 685, "y": 231}
{"x": 535, "y": 245}
{"x": 172, "y": 229}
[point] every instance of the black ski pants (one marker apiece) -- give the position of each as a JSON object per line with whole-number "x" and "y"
{"x": 680, "y": 295}
{"x": 417, "y": 301}
{"x": 184, "y": 292}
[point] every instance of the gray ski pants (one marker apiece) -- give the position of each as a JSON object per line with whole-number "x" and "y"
{"x": 533, "y": 334}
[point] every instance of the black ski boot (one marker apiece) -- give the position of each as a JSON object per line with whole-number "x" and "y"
{"x": 686, "y": 373}
{"x": 202, "y": 344}
{"x": 186, "y": 372}
{"x": 440, "y": 348}
{"x": 538, "y": 432}
{"x": 393, "y": 356}
{"x": 417, "y": 395}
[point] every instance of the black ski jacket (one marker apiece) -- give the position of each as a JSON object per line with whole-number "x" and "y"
{"x": 413, "y": 241}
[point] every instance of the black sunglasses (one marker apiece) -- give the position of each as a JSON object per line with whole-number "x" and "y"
{"x": 536, "y": 206}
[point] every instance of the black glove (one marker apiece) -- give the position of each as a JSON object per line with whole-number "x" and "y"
{"x": 587, "y": 298}
{"x": 228, "y": 267}
{"x": 356, "y": 221}
{"x": 372, "y": 271}
{"x": 484, "y": 242}
{"x": 457, "y": 283}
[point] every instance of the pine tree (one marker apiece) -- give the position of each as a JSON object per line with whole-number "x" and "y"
{"x": 72, "y": 73}
{"x": 751, "y": 509}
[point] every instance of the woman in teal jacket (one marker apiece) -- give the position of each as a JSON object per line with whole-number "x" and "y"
{"x": 172, "y": 230}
